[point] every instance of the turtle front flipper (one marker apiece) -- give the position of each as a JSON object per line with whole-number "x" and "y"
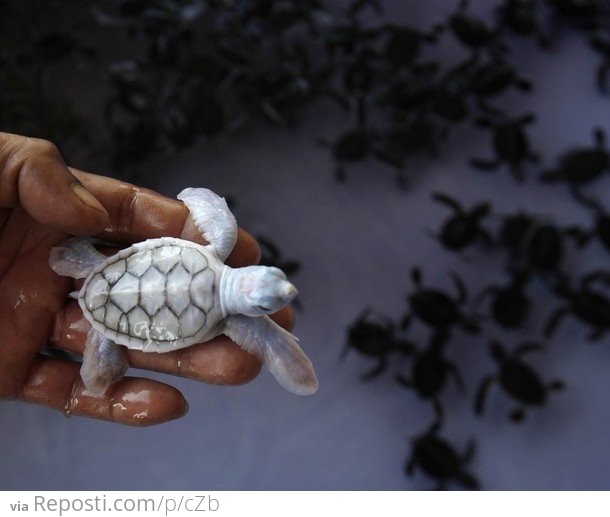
{"x": 75, "y": 258}
{"x": 276, "y": 348}
{"x": 104, "y": 362}
{"x": 213, "y": 219}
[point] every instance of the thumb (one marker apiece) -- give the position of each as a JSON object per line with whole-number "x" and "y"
{"x": 34, "y": 177}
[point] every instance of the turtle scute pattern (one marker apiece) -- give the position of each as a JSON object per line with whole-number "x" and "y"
{"x": 160, "y": 294}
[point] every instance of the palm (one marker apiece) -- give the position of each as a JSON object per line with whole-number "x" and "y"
{"x": 32, "y": 294}
{"x": 35, "y": 310}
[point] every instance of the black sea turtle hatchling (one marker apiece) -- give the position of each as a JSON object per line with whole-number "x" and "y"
{"x": 167, "y": 293}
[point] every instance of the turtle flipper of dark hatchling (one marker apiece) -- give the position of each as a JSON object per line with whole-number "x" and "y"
{"x": 165, "y": 294}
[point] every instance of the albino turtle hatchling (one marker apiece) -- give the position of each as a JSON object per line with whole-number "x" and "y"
{"x": 164, "y": 294}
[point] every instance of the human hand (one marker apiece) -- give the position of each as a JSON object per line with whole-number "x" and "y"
{"x": 42, "y": 202}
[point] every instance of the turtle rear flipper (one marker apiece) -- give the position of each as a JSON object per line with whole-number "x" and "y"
{"x": 75, "y": 258}
{"x": 104, "y": 362}
{"x": 276, "y": 348}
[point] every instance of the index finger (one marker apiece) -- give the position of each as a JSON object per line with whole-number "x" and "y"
{"x": 138, "y": 213}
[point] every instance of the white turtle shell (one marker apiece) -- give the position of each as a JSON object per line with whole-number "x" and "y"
{"x": 157, "y": 295}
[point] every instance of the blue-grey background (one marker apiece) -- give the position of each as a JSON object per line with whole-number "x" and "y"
{"x": 357, "y": 243}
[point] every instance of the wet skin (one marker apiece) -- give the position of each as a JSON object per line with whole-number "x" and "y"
{"x": 42, "y": 202}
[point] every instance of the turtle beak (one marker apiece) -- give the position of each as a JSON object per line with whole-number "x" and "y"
{"x": 288, "y": 291}
{"x": 282, "y": 296}
{"x": 279, "y": 293}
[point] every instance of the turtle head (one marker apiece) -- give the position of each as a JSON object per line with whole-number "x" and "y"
{"x": 258, "y": 290}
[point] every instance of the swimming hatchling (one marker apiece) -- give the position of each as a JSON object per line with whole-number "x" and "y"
{"x": 167, "y": 293}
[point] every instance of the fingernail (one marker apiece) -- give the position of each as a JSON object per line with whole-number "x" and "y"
{"x": 87, "y": 198}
